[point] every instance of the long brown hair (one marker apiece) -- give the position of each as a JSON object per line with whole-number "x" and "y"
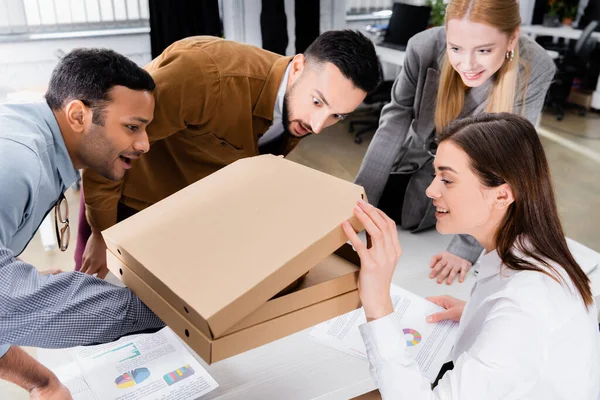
{"x": 505, "y": 148}
{"x": 503, "y": 15}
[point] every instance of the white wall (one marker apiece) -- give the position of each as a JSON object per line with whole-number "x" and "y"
{"x": 28, "y": 65}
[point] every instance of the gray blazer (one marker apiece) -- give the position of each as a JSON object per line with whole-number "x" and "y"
{"x": 407, "y": 129}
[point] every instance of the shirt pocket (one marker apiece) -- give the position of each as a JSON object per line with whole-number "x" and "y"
{"x": 210, "y": 147}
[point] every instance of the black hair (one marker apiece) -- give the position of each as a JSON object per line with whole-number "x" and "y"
{"x": 352, "y": 53}
{"x": 89, "y": 74}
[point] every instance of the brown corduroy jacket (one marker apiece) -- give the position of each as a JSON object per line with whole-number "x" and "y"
{"x": 214, "y": 99}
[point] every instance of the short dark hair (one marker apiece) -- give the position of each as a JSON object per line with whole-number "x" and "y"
{"x": 88, "y": 75}
{"x": 352, "y": 53}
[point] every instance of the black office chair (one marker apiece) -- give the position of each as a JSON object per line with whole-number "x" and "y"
{"x": 405, "y": 22}
{"x": 573, "y": 62}
{"x": 376, "y": 99}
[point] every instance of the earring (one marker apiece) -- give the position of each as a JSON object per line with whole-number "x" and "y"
{"x": 501, "y": 204}
{"x": 510, "y": 55}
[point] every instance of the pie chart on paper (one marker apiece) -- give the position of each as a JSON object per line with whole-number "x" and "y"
{"x": 132, "y": 378}
{"x": 412, "y": 336}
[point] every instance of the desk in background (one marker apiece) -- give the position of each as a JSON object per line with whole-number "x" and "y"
{"x": 391, "y": 61}
{"x": 556, "y": 32}
{"x": 389, "y": 55}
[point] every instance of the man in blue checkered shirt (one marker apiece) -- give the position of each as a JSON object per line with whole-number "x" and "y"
{"x": 94, "y": 115}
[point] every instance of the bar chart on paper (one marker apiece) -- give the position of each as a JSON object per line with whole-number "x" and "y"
{"x": 179, "y": 374}
{"x": 144, "y": 366}
{"x": 123, "y": 353}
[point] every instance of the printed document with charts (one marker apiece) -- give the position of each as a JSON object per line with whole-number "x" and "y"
{"x": 146, "y": 366}
{"x": 429, "y": 344}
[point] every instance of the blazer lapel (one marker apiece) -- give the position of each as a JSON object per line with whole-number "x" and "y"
{"x": 425, "y": 119}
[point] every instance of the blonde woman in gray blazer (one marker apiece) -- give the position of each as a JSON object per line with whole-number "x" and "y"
{"x": 476, "y": 63}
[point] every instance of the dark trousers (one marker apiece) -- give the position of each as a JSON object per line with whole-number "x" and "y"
{"x": 171, "y": 21}
{"x": 273, "y": 24}
{"x": 84, "y": 231}
{"x": 392, "y": 198}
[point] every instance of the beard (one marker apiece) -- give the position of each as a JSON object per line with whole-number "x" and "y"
{"x": 98, "y": 154}
{"x": 285, "y": 117}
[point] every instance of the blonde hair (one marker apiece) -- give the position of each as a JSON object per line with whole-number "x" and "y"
{"x": 503, "y": 15}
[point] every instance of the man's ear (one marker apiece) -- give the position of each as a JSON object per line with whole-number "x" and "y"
{"x": 77, "y": 114}
{"x": 297, "y": 67}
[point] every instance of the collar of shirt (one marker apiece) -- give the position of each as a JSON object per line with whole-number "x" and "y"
{"x": 276, "y": 128}
{"x": 278, "y": 109}
{"x": 490, "y": 264}
{"x": 268, "y": 95}
{"x": 67, "y": 172}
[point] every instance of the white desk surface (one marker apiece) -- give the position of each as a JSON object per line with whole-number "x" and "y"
{"x": 297, "y": 368}
{"x": 389, "y": 55}
{"x": 561, "y": 31}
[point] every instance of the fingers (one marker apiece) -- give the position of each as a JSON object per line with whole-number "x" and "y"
{"x": 463, "y": 274}
{"x": 435, "y": 259}
{"x": 84, "y": 267}
{"x": 370, "y": 226}
{"x": 452, "y": 275}
{"x": 437, "y": 268}
{"x": 102, "y": 273}
{"x": 439, "y": 300}
{"x": 381, "y": 246}
{"x": 89, "y": 269}
{"x": 381, "y": 221}
{"x": 393, "y": 232}
{"x": 444, "y": 273}
{"x": 437, "y": 317}
{"x": 358, "y": 244}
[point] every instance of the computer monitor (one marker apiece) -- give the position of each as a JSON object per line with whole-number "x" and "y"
{"x": 406, "y": 21}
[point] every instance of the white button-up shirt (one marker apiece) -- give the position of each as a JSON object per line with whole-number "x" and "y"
{"x": 522, "y": 335}
{"x": 276, "y": 128}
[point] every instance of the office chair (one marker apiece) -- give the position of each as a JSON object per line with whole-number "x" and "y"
{"x": 573, "y": 61}
{"x": 377, "y": 99}
{"x": 406, "y": 21}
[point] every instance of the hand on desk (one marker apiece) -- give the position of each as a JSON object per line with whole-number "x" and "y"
{"x": 377, "y": 263}
{"x": 447, "y": 266}
{"x": 94, "y": 257}
{"x": 454, "y": 308}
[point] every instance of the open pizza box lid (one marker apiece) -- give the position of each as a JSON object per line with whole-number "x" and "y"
{"x": 220, "y": 248}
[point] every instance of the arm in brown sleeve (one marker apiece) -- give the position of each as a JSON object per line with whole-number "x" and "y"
{"x": 187, "y": 89}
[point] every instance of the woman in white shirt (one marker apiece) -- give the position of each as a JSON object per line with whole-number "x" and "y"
{"x": 529, "y": 329}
